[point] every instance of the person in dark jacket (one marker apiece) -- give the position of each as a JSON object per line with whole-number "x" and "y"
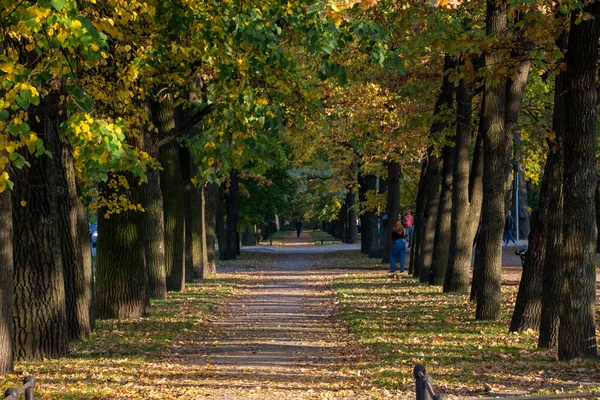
{"x": 509, "y": 226}
{"x": 298, "y": 227}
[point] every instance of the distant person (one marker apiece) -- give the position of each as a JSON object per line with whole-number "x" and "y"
{"x": 409, "y": 221}
{"x": 509, "y": 226}
{"x": 398, "y": 247}
{"x": 298, "y": 227}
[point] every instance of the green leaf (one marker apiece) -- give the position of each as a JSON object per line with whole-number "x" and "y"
{"x": 3, "y": 115}
{"x": 58, "y": 4}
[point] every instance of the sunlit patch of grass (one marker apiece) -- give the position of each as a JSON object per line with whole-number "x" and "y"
{"x": 404, "y": 323}
{"x": 326, "y": 238}
{"x": 348, "y": 259}
{"x": 122, "y": 358}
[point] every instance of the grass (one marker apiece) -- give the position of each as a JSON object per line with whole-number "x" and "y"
{"x": 349, "y": 259}
{"x": 318, "y": 236}
{"x": 404, "y": 323}
{"x": 125, "y": 358}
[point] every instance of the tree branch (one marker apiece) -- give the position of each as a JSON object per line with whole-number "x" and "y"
{"x": 174, "y": 133}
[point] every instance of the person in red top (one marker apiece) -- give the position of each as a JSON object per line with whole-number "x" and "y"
{"x": 408, "y": 221}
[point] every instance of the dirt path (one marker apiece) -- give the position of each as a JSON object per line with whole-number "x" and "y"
{"x": 278, "y": 337}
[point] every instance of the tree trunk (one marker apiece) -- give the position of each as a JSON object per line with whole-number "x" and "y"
{"x": 523, "y": 212}
{"x": 7, "y": 331}
{"x": 152, "y": 229}
{"x": 495, "y": 140}
{"x": 120, "y": 268}
{"x": 441, "y": 244}
{"x": 431, "y": 188}
{"x": 40, "y": 309}
{"x": 199, "y": 259}
{"x": 220, "y": 227}
{"x": 211, "y": 199}
{"x": 598, "y": 213}
{"x": 351, "y": 231}
{"x": 476, "y": 197}
{"x": 186, "y": 171}
{"x": 528, "y": 306}
{"x": 172, "y": 190}
{"x": 233, "y": 215}
{"x": 77, "y": 273}
{"x": 85, "y": 249}
{"x": 369, "y": 238}
{"x": 414, "y": 268}
{"x": 552, "y": 269}
{"x": 393, "y": 206}
{"x": 458, "y": 271}
{"x": 577, "y": 333}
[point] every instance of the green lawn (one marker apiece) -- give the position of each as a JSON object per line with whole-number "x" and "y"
{"x": 125, "y": 353}
{"x": 404, "y": 323}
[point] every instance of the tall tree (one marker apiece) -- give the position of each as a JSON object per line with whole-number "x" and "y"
{"x": 369, "y": 238}
{"x": 553, "y": 225}
{"x": 40, "y": 307}
{"x": 120, "y": 268}
{"x": 465, "y": 203}
{"x": 351, "y": 228}
{"x": 77, "y": 269}
{"x": 171, "y": 184}
{"x": 490, "y": 238}
{"x": 7, "y": 330}
{"x": 188, "y": 212}
{"x": 392, "y": 205}
{"x": 233, "y": 215}
{"x": 577, "y": 331}
{"x": 441, "y": 244}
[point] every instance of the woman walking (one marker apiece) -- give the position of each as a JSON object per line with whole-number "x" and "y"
{"x": 398, "y": 247}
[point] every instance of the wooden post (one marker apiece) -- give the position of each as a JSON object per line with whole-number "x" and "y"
{"x": 29, "y": 391}
{"x": 419, "y": 374}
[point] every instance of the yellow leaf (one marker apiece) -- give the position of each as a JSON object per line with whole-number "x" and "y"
{"x": 23, "y": 203}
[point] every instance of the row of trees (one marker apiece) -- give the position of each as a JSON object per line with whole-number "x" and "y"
{"x": 154, "y": 112}
{"x": 491, "y": 116}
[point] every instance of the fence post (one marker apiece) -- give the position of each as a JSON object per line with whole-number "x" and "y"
{"x": 11, "y": 394}
{"x": 419, "y": 374}
{"x": 29, "y": 391}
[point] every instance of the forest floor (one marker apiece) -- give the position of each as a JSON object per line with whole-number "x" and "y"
{"x": 299, "y": 321}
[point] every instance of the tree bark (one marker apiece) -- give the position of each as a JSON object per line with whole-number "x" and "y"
{"x": 351, "y": 230}
{"x": 552, "y": 269}
{"x": 490, "y": 238}
{"x": 39, "y": 293}
{"x": 523, "y": 212}
{"x": 393, "y": 205}
{"x": 368, "y": 220}
{"x": 233, "y": 215}
{"x": 186, "y": 171}
{"x": 199, "y": 259}
{"x": 441, "y": 244}
{"x": 212, "y": 199}
{"x": 7, "y": 331}
{"x": 577, "y": 334}
{"x": 120, "y": 268}
{"x": 220, "y": 227}
{"x": 414, "y": 267}
{"x": 464, "y": 210}
{"x": 476, "y": 198}
{"x": 77, "y": 269}
{"x": 152, "y": 229}
{"x": 171, "y": 183}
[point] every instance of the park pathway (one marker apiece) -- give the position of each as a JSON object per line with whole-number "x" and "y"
{"x": 279, "y": 337}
